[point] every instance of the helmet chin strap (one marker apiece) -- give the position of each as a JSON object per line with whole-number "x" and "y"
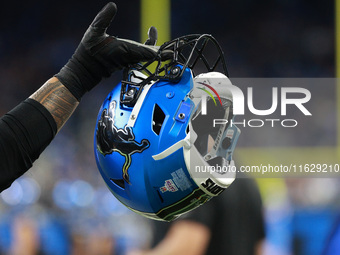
{"x": 182, "y": 143}
{"x": 187, "y": 142}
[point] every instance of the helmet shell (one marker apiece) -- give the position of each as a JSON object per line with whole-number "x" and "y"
{"x": 159, "y": 189}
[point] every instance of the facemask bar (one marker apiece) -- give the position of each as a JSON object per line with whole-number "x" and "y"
{"x": 172, "y": 59}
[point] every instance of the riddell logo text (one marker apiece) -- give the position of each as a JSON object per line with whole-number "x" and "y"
{"x": 302, "y": 96}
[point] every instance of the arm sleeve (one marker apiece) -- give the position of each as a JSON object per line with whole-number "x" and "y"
{"x": 25, "y": 132}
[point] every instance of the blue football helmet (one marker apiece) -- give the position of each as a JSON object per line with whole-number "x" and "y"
{"x": 157, "y": 144}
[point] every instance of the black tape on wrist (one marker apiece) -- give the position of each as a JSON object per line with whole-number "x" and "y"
{"x": 81, "y": 73}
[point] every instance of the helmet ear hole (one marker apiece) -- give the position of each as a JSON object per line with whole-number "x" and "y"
{"x": 157, "y": 119}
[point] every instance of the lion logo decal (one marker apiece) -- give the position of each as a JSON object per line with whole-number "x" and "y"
{"x": 111, "y": 139}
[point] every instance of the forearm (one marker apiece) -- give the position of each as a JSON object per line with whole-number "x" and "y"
{"x": 25, "y": 132}
{"x": 30, "y": 127}
{"x": 57, "y": 100}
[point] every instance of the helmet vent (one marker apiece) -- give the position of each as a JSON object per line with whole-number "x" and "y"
{"x": 187, "y": 130}
{"x": 157, "y": 119}
{"x": 118, "y": 182}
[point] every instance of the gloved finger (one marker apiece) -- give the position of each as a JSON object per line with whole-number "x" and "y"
{"x": 105, "y": 17}
{"x": 142, "y": 53}
{"x": 167, "y": 54}
{"x": 153, "y": 36}
{"x": 135, "y": 52}
{"x": 136, "y": 45}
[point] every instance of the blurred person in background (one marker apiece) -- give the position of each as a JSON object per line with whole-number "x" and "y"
{"x": 28, "y": 129}
{"x": 25, "y": 236}
{"x": 231, "y": 224}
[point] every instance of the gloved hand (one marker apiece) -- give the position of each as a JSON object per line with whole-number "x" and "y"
{"x": 98, "y": 55}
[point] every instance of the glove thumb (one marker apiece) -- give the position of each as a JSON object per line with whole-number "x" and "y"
{"x": 153, "y": 36}
{"x": 105, "y": 17}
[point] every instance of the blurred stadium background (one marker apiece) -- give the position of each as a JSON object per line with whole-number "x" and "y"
{"x": 61, "y": 206}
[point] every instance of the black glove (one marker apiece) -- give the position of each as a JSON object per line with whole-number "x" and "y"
{"x": 99, "y": 55}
